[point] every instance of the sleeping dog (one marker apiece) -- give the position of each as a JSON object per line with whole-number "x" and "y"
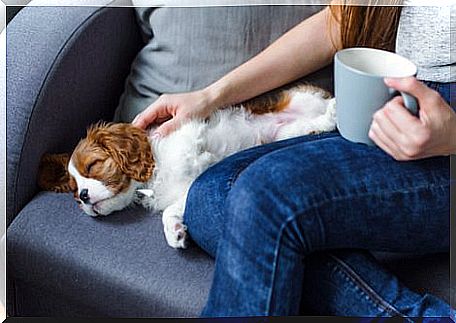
{"x": 117, "y": 164}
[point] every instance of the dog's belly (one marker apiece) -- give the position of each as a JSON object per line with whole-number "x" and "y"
{"x": 303, "y": 107}
{"x": 184, "y": 154}
{"x": 234, "y": 129}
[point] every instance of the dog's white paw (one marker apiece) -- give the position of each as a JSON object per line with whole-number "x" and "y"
{"x": 175, "y": 233}
{"x": 173, "y": 224}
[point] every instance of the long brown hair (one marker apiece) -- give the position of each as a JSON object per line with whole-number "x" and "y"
{"x": 370, "y": 25}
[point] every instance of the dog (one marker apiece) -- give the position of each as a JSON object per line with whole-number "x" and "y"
{"x": 117, "y": 164}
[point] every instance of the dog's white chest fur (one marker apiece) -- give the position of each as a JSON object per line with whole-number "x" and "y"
{"x": 183, "y": 155}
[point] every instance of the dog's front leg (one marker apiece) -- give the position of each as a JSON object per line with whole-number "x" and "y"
{"x": 173, "y": 224}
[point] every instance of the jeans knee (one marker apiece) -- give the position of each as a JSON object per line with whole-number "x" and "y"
{"x": 252, "y": 206}
{"x": 203, "y": 214}
{"x": 259, "y": 206}
{"x": 193, "y": 204}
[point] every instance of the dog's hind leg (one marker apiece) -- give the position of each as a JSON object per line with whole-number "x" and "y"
{"x": 323, "y": 123}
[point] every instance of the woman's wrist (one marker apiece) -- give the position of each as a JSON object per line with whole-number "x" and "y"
{"x": 215, "y": 95}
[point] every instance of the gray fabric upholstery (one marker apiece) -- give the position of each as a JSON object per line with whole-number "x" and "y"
{"x": 422, "y": 273}
{"x": 68, "y": 69}
{"x": 190, "y": 48}
{"x": 121, "y": 266}
{"x": 60, "y": 79}
{"x": 118, "y": 265}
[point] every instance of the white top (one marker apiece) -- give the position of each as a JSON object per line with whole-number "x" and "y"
{"x": 427, "y": 36}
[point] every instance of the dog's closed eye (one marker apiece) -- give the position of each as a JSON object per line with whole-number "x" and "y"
{"x": 92, "y": 165}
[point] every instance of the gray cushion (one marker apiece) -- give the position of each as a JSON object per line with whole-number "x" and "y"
{"x": 121, "y": 266}
{"x": 421, "y": 273}
{"x": 189, "y": 48}
{"x": 116, "y": 266}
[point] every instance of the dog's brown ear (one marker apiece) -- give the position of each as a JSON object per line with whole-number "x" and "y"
{"x": 128, "y": 146}
{"x": 53, "y": 173}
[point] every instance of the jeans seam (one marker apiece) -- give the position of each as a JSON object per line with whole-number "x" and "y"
{"x": 301, "y": 213}
{"x": 236, "y": 174}
{"x": 366, "y": 289}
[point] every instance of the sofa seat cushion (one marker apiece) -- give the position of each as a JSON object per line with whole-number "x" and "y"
{"x": 66, "y": 263}
{"x": 120, "y": 264}
{"x": 425, "y": 274}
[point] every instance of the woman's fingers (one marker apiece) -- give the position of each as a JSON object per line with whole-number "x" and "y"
{"x": 409, "y": 85}
{"x": 427, "y": 97}
{"x": 170, "y": 110}
{"x": 380, "y": 140}
{"x": 138, "y": 121}
{"x": 157, "y": 111}
{"x": 399, "y": 116}
{"x": 393, "y": 128}
{"x": 147, "y": 117}
{"x": 166, "y": 128}
{"x": 385, "y": 140}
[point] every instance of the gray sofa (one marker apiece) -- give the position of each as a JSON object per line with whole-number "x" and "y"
{"x": 66, "y": 68}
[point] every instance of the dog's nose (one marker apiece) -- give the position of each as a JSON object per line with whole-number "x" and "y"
{"x": 84, "y": 195}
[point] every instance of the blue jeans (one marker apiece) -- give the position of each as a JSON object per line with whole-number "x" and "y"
{"x": 263, "y": 212}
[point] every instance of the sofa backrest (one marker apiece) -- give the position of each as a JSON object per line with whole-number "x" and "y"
{"x": 189, "y": 48}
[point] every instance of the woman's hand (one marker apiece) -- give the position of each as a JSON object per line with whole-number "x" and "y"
{"x": 170, "y": 110}
{"x": 406, "y": 137}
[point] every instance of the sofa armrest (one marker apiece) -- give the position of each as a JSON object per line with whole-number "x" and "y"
{"x": 66, "y": 68}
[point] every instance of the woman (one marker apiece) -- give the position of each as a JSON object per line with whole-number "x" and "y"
{"x": 263, "y": 211}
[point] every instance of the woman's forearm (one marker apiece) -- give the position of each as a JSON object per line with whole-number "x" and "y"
{"x": 304, "y": 49}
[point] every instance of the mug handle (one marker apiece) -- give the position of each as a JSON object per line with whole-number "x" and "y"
{"x": 410, "y": 101}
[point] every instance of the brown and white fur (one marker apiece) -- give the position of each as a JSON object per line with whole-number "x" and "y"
{"x": 116, "y": 161}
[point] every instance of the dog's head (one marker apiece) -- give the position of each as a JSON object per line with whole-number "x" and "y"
{"x": 105, "y": 168}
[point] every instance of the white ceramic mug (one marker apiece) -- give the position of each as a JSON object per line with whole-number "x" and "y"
{"x": 360, "y": 90}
